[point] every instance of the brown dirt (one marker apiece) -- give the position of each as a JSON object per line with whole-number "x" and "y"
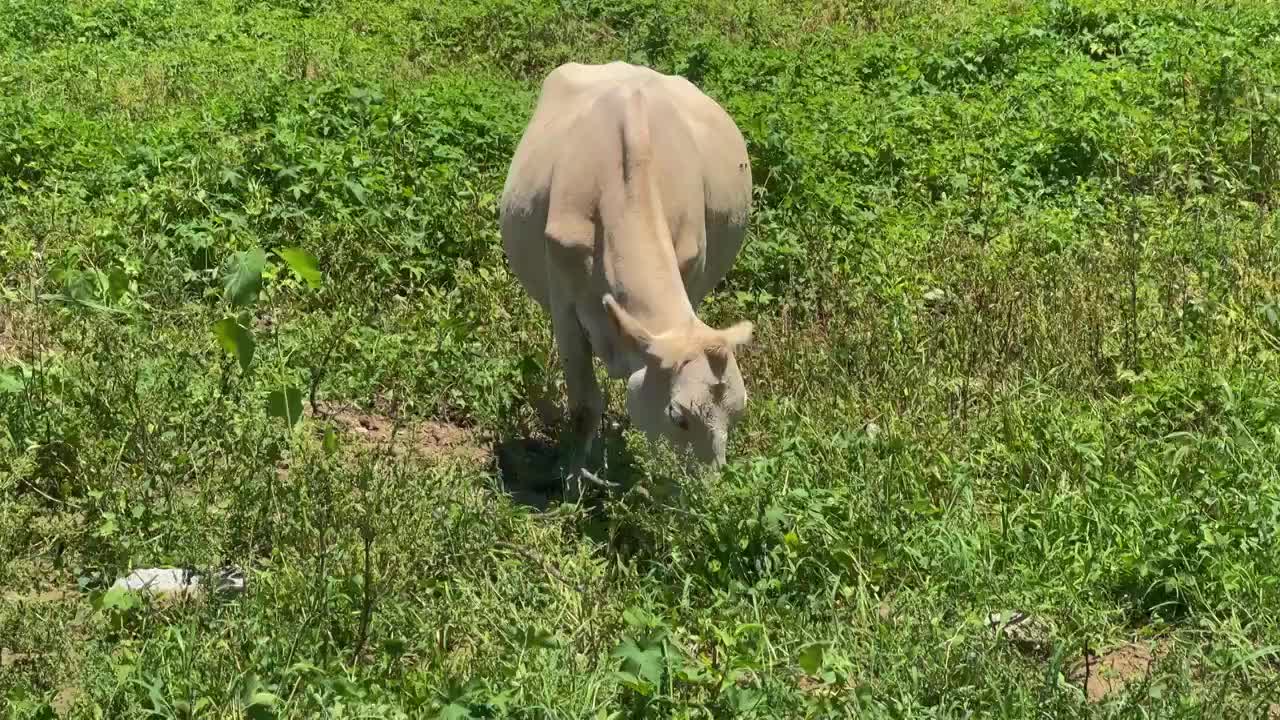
{"x": 22, "y": 336}
{"x": 39, "y": 596}
{"x": 8, "y": 338}
{"x": 429, "y": 439}
{"x": 808, "y": 684}
{"x": 1108, "y": 673}
{"x": 8, "y": 658}
{"x": 65, "y": 700}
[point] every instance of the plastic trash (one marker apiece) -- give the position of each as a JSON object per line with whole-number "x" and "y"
{"x": 181, "y": 581}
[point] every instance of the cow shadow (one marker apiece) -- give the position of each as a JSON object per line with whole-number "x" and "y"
{"x": 528, "y": 468}
{"x": 527, "y": 472}
{"x": 527, "y": 475}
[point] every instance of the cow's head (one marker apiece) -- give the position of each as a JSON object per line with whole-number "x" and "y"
{"x": 690, "y": 390}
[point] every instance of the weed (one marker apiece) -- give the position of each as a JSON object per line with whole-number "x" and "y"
{"x": 1014, "y": 274}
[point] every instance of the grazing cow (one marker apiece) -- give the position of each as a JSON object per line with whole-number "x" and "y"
{"x": 626, "y": 202}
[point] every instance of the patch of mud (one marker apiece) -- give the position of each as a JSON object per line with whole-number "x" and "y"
{"x": 40, "y": 597}
{"x": 429, "y": 439}
{"x": 1103, "y": 675}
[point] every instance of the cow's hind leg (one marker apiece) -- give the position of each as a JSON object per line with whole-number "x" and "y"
{"x": 586, "y": 401}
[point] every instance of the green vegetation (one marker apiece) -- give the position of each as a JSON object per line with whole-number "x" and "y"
{"x": 1016, "y": 283}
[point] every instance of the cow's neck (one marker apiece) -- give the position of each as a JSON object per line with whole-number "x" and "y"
{"x": 642, "y": 270}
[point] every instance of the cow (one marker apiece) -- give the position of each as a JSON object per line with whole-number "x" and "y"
{"x": 626, "y": 201}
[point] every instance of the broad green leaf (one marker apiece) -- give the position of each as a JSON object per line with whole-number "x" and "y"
{"x": 118, "y": 598}
{"x": 262, "y": 697}
{"x": 812, "y": 656}
{"x": 258, "y": 703}
{"x": 260, "y": 706}
{"x": 539, "y": 639}
{"x": 638, "y": 618}
{"x": 394, "y": 646}
{"x": 774, "y": 516}
{"x": 304, "y": 667}
{"x": 242, "y": 276}
{"x": 744, "y": 700}
{"x": 77, "y": 287}
{"x": 117, "y": 283}
{"x": 10, "y": 383}
{"x": 631, "y": 681}
{"x": 303, "y": 264}
{"x": 285, "y": 404}
{"x": 356, "y": 189}
{"x": 235, "y": 339}
{"x": 107, "y": 527}
{"x": 645, "y": 663}
{"x": 454, "y": 711}
{"x": 330, "y": 441}
{"x": 154, "y": 693}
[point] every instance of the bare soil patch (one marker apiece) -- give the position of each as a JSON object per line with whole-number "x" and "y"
{"x": 8, "y": 658}
{"x": 23, "y": 336}
{"x": 52, "y": 595}
{"x": 1101, "y": 675}
{"x": 428, "y": 439}
{"x": 8, "y": 337}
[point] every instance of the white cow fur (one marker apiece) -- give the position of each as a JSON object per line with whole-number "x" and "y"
{"x": 626, "y": 202}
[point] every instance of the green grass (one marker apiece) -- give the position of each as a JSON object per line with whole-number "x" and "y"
{"x": 1016, "y": 284}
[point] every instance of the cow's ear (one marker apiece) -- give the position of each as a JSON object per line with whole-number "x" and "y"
{"x": 724, "y": 343}
{"x": 637, "y": 337}
{"x": 626, "y": 324}
{"x": 738, "y": 334}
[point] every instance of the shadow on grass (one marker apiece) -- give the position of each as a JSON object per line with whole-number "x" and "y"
{"x": 625, "y": 519}
{"x": 627, "y": 525}
{"x": 529, "y": 471}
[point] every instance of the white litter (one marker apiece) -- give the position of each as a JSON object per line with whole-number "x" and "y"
{"x": 181, "y": 581}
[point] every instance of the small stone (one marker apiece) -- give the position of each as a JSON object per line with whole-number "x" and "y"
{"x": 1026, "y": 633}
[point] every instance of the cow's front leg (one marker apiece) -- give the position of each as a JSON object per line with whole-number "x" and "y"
{"x": 586, "y": 401}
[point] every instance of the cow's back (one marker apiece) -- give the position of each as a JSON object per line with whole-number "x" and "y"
{"x": 700, "y": 154}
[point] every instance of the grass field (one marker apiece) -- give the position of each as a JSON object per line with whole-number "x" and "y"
{"x": 1016, "y": 283}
